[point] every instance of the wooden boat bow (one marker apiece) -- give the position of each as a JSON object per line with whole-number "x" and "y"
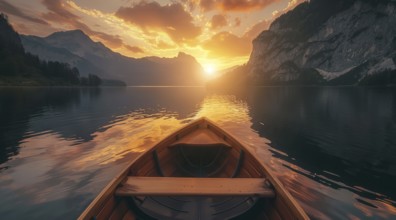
{"x": 198, "y": 172}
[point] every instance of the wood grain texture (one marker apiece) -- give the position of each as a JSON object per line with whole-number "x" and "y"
{"x": 166, "y": 186}
{"x": 107, "y": 209}
{"x": 201, "y": 137}
{"x": 119, "y": 211}
{"x": 129, "y": 216}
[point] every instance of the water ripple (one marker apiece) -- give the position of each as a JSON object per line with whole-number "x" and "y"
{"x": 338, "y": 162}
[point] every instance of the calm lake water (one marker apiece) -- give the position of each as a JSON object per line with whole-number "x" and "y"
{"x": 333, "y": 148}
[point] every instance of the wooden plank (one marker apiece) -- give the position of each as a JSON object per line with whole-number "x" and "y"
{"x": 164, "y": 186}
{"x": 166, "y": 160}
{"x": 147, "y": 168}
{"x": 129, "y": 216}
{"x": 201, "y": 137}
{"x": 119, "y": 211}
{"x": 107, "y": 209}
{"x": 248, "y": 167}
{"x": 283, "y": 209}
{"x": 230, "y": 166}
{"x": 252, "y": 169}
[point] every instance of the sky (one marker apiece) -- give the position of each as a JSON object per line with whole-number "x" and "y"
{"x": 218, "y": 33}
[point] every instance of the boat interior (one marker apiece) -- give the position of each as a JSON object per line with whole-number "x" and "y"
{"x": 199, "y": 172}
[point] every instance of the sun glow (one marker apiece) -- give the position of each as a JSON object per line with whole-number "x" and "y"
{"x": 209, "y": 70}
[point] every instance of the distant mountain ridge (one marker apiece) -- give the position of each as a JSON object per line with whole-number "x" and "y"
{"x": 333, "y": 42}
{"x": 18, "y": 68}
{"x": 77, "y": 49}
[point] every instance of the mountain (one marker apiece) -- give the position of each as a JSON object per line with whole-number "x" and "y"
{"x": 9, "y": 39}
{"x": 37, "y": 45}
{"x": 77, "y": 49}
{"x": 18, "y": 68}
{"x": 327, "y": 42}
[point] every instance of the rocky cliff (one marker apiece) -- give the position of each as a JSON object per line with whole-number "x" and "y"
{"x": 336, "y": 42}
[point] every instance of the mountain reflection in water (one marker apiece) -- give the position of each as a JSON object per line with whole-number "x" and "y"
{"x": 334, "y": 148}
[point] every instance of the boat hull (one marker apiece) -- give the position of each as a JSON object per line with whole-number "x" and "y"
{"x": 203, "y": 153}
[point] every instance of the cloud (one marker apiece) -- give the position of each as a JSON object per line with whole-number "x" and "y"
{"x": 113, "y": 41}
{"x": 163, "y": 45}
{"x": 237, "y": 22}
{"x": 244, "y": 5}
{"x": 13, "y": 10}
{"x": 207, "y": 5}
{"x": 59, "y": 13}
{"x": 21, "y": 28}
{"x": 256, "y": 29}
{"x": 218, "y": 21}
{"x": 226, "y": 44}
{"x": 134, "y": 49}
{"x": 235, "y": 5}
{"x": 171, "y": 19}
{"x": 292, "y": 4}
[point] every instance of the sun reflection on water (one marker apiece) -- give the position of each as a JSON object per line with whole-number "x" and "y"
{"x": 132, "y": 133}
{"x": 137, "y": 131}
{"x": 224, "y": 109}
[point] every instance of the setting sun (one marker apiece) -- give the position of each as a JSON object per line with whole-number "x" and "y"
{"x": 209, "y": 70}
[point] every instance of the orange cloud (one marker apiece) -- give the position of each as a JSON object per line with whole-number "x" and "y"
{"x": 163, "y": 46}
{"x": 59, "y": 13}
{"x": 218, "y": 21}
{"x": 13, "y": 10}
{"x": 225, "y": 44}
{"x": 207, "y": 5}
{"x": 235, "y": 5}
{"x": 134, "y": 49}
{"x": 256, "y": 29}
{"x": 21, "y": 28}
{"x": 171, "y": 19}
{"x": 56, "y": 8}
{"x": 113, "y": 41}
{"x": 245, "y": 5}
{"x": 237, "y": 22}
{"x": 292, "y": 4}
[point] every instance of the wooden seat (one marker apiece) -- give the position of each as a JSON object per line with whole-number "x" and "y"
{"x": 200, "y": 138}
{"x": 174, "y": 186}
